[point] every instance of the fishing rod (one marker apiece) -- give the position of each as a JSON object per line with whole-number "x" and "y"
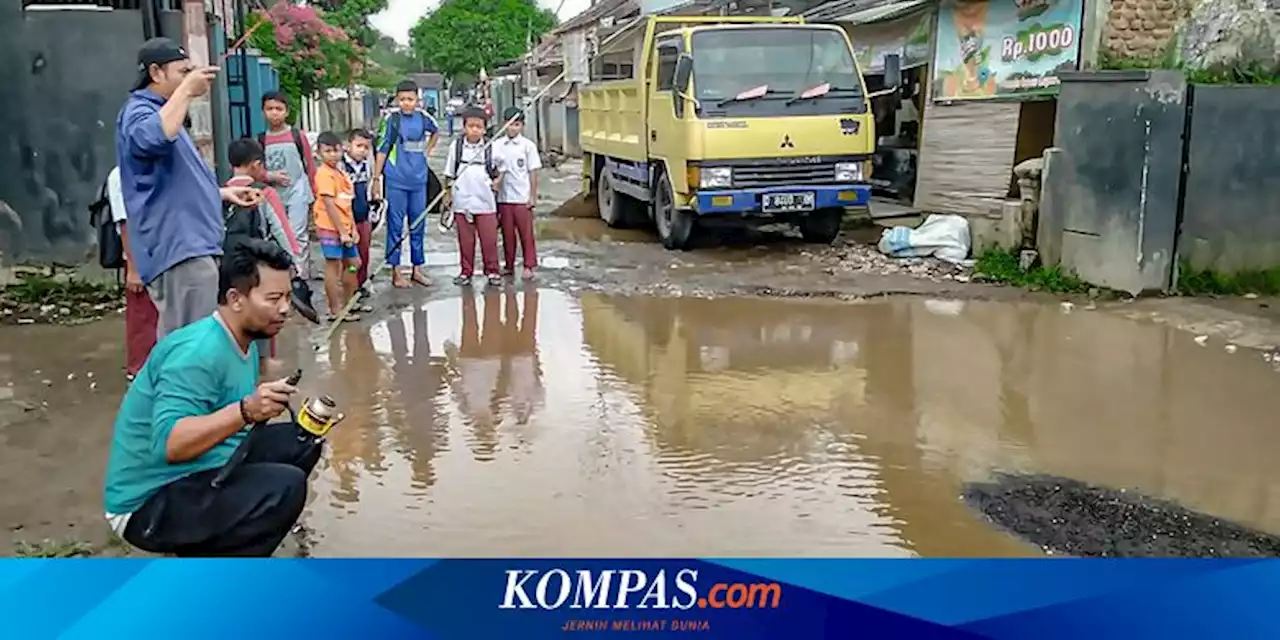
{"x": 351, "y": 304}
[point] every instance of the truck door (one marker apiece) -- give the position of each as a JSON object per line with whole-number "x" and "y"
{"x": 664, "y": 141}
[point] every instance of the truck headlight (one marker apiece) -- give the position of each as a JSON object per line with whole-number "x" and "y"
{"x": 849, "y": 172}
{"x": 716, "y": 178}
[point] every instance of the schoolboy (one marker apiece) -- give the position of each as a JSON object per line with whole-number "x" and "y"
{"x": 407, "y": 140}
{"x": 291, "y": 167}
{"x": 471, "y": 180}
{"x": 519, "y": 162}
{"x": 336, "y": 226}
{"x": 355, "y": 163}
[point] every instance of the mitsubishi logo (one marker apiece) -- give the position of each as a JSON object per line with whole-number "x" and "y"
{"x": 787, "y": 143}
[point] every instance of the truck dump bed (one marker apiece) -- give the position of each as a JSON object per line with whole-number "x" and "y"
{"x": 611, "y": 119}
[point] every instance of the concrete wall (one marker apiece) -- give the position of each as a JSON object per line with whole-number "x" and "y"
{"x": 66, "y": 74}
{"x": 1109, "y": 201}
{"x": 1231, "y": 208}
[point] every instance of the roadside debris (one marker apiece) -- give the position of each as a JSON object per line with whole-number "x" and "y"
{"x": 945, "y": 237}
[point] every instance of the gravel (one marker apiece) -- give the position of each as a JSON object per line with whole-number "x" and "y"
{"x": 1065, "y": 516}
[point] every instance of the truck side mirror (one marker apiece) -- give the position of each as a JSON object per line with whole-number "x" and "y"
{"x": 892, "y": 71}
{"x": 684, "y": 69}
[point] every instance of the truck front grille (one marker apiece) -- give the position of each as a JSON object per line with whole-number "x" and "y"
{"x": 784, "y": 175}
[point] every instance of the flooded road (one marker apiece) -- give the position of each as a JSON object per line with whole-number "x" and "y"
{"x": 544, "y": 423}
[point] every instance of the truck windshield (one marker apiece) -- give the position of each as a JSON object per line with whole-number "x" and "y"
{"x": 788, "y": 60}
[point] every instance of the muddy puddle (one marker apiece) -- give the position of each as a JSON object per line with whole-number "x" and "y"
{"x": 543, "y": 423}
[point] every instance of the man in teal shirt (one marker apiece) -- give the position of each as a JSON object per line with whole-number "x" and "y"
{"x": 189, "y": 408}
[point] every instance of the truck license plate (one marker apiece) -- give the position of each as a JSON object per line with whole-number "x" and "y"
{"x": 782, "y": 202}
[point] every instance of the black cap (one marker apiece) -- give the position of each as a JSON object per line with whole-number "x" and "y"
{"x": 159, "y": 51}
{"x": 512, "y": 112}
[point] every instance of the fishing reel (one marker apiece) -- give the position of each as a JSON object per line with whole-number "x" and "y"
{"x": 316, "y": 418}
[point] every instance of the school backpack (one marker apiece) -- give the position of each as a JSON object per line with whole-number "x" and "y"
{"x": 297, "y": 142}
{"x": 110, "y": 244}
{"x": 489, "y": 167}
{"x": 245, "y": 222}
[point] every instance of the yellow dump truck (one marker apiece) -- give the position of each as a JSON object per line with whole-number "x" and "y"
{"x": 731, "y": 121}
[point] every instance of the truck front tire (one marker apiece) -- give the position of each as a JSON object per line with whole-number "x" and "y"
{"x": 822, "y": 226}
{"x": 675, "y": 227}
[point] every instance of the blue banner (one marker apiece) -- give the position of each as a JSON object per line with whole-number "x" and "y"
{"x": 791, "y": 599}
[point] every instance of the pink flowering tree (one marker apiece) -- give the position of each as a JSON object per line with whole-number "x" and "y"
{"x": 310, "y": 53}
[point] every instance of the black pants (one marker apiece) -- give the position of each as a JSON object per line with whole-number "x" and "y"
{"x": 249, "y": 515}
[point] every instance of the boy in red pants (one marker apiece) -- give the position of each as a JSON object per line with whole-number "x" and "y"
{"x": 140, "y": 314}
{"x": 471, "y": 180}
{"x": 519, "y": 162}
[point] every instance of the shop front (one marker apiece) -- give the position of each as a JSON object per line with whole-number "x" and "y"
{"x": 992, "y": 97}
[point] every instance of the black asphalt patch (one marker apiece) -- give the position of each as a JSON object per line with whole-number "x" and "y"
{"x": 1065, "y": 516}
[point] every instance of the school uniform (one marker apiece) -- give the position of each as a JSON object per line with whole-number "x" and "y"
{"x": 405, "y": 172}
{"x": 474, "y": 207}
{"x": 517, "y": 157}
{"x": 359, "y": 173}
{"x": 141, "y": 318}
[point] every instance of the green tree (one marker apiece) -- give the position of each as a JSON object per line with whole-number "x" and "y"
{"x": 463, "y": 36}
{"x": 309, "y": 53}
{"x": 352, "y": 16}
{"x": 388, "y": 64}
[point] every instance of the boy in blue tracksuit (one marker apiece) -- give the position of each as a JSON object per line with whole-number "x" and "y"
{"x": 407, "y": 139}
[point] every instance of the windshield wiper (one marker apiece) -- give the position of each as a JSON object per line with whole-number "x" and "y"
{"x": 821, "y": 91}
{"x": 750, "y": 94}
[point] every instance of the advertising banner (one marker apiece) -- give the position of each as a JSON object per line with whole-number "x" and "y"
{"x": 908, "y": 37}
{"x": 1045, "y": 599}
{"x": 1004, "y": 48}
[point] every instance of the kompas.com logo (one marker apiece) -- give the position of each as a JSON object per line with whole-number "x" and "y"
{"x": 631, "y": 589}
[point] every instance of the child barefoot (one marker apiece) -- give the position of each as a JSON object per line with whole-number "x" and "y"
{"x": 336, "y": 226}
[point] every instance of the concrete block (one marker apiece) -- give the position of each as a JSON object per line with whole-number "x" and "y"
{"x": 1001, "y": 231}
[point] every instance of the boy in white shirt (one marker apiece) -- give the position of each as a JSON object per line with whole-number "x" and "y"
{"x": 471, "y": 180}
{"x": 140, "y": 314}
{"x": 519, "y": 162}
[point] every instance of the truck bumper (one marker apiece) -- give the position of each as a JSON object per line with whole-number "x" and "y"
{"x": 751, "y": 200}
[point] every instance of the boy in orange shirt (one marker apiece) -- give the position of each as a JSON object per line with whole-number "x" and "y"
{"x": 336, "y": 226}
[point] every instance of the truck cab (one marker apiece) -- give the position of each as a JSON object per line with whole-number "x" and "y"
{"x": 731, "y": 121}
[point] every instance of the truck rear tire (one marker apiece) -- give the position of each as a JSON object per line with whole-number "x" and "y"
{"x": 618, "y": 210}
{"x": 822, "y": 226}
{"x": 675, "y": 227}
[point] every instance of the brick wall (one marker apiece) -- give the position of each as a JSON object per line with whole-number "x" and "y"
{"x": 1141, "y": 28}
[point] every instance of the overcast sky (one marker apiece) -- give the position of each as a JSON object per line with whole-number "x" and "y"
{"x": 401, "y": 15}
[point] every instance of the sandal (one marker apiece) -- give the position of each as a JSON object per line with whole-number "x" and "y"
{"x": 462, "y": 281}
{"x": 495, "y": 280}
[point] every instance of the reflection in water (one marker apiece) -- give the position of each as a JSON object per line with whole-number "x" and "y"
{"x": 537, "y": 423}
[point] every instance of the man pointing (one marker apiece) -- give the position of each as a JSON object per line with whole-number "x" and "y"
{"x": 176, "y": 226}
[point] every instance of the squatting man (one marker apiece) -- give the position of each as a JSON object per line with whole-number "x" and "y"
{"x": 191, "y": 406}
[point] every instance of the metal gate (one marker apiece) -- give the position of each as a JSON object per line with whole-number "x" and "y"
{"x": 237, "y": 65}
{"x": 1110, "y": 200}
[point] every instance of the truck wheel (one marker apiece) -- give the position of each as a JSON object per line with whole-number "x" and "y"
{"x": 675, "y": 227}
{"x": 822, "y": 226}
{"x": 618, "y": 210}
